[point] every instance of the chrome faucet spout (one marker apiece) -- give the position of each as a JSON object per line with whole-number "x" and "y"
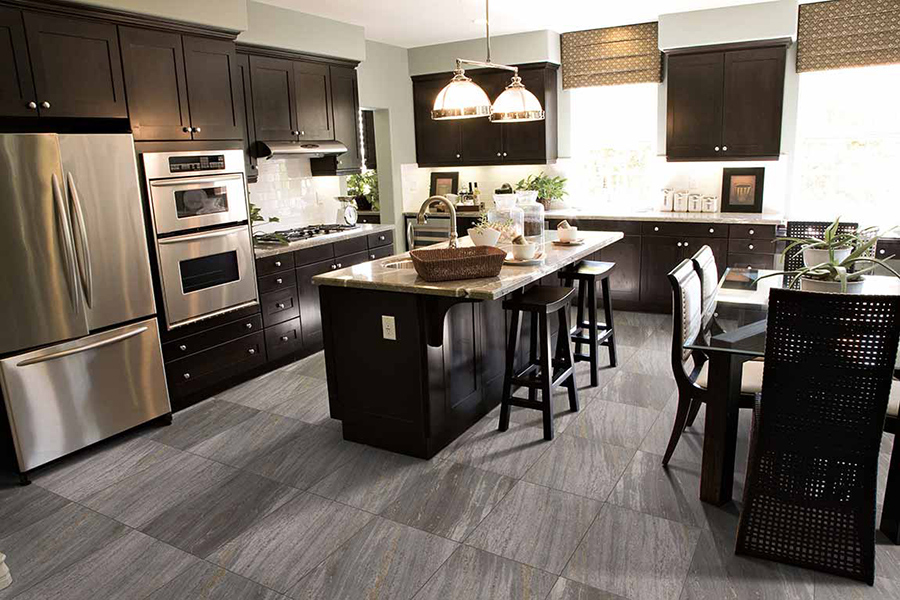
{"x": 423, "y": 213}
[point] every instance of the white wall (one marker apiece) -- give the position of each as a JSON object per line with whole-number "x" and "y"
{"x": 748, "y": 22}
{"x": 533, "y": 46}
{"x": 292, "y": 30}
{"x": 229, "y": 14}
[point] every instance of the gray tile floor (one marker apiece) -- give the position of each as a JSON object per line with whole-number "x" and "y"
{"x": 256, "y": 495}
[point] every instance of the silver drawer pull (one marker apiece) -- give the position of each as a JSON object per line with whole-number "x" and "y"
{"x": 339, "y": 265}
{"x": 711, "y": 230}
{"x": 751, "y": 232}
{"x": 724, "y": 148}
{"x": 284, "y": 338}
{"x": 32, "y": 105}
{"x": 45, "y": 104}
{"x": 656, "y": 229}
{"x": 685, "y": 244}
{"x": 249, "y": 325}
{"x": 333, "y": 267}
{"x": 678, "y": 244}
{"x": 380, "y": 238}
{"x": 279, "y": 280}
{"x": 251, "y": 351}
{"x": 277, "y": 263}
{"x": 881, "y": 251}
{"x": 372, "y": 256}
{"x": 279, "y": 305}
{"x": 187, "y": 375}
{"x": 750, "y": 246}
{"x": 182, "y": 347}
{"x": 717, "y": 148}
{"x": 498, "y": 154}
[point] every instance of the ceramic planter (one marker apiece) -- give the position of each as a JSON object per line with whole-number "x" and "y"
{"x": 816, "y": 256}
{"x": 485, "y": 237}
{"x": 833, "y": 287}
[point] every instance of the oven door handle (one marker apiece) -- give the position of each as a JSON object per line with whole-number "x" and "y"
{"x": 195, "y": 181}
{"x": 181, "y": 239}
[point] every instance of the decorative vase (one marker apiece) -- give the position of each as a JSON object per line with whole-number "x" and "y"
{"x": 817, "y": 256}
{"x": 484, "y": 237}
{"x": 831, "y": 287}
{"x": 5, "y": 577}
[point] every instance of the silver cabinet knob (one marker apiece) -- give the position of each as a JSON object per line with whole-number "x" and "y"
{"x": 302, "y": 133}
{"x": 711, "y": 230}
{"x": 685, "y": 244}
{"x": 251, "y": 351}
{"x": 751, "y": 232}
{"x": 279, "y": 280}
{"x": 187, "y": 375}
{"x": 339, "y": 265}
{"x": 277, "y": 263}
{"x": 504, "y": 154}
{"x": 32, "y": 105}
{"x": 333, "y": 267}
{"x": 372, "y": 256}
{"x": 182, "y": 347}
{"x": 881, "y": 251}
{"x": 197, "y": 130}
{"x": 380, "y": 238}
{"x": 249, "y": 325}
{"x": 457, "y": 156}
{"x": 186, "y": 129}
{"x": 499, "y": 154}
{"x": 45, "y": 104}
{"x": 678, "y": 244}
{"x": 724, "y": 148}
{"x": 284, "y": 338}
{"x": 279, "y": 305}
{"x": 717, "y": 148}
{"x": 656, "y": 229}
{"x": 750, "y": 246}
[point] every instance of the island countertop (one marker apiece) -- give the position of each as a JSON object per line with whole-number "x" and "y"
{"x": 375, "y": 276}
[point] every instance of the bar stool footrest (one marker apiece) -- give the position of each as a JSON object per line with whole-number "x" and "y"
{"x": 525, "y": 403}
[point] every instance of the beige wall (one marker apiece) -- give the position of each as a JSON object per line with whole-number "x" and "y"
{"x": 533, "y": 46}
{"x": 230, "y": 14}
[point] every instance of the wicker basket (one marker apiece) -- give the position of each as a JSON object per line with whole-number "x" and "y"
{"x": 448, "y": 264}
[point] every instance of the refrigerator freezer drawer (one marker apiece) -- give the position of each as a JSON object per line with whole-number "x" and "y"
{"x": 65, "y": 397}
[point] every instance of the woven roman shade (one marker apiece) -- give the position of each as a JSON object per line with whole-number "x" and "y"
{"x": 848, "y": 33}
{"x": 611, "y": 56}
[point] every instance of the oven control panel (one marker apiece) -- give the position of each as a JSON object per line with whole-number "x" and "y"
{"x": 197, "y": 162}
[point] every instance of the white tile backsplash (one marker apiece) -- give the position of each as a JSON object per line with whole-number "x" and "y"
{"x": 286, "y": 189}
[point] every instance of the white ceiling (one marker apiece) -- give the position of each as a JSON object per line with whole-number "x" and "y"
{"x": 411, "y": 23}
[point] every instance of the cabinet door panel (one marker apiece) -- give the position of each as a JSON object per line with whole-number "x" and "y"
{"x": 625, "y": 281}
{"x": 346, "y": 116}
{"x": 245, "y": 111}
{"x": 437, "y": 142}
{"x": 482, "y": 141}
{"x": 77, "y": 66}
{"x": 694, "y": 105}
{"x": 157, "y": 88}
{"x": 527, "y": 141}
{"x": 212, "y": 88}
{"x": 659, "y": 255}
{"x": 16, "y": 84}
{"x": 272, "y": 88}
{"x": 312, "y": 88}
{"x": 310, "y": 311}
{"x": 754, "y": 95}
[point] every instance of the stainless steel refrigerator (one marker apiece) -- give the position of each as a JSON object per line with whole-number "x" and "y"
{"x": 80, "y": 356}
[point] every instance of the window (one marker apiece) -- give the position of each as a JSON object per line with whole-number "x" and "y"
{"x": 848, "y": 146}
{"x": 614, "y": 132}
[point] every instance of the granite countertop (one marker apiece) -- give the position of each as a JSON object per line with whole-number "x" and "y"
{"x": 652, "y": 215}
{"x": 373, "y": 274}
{"x": 262, "y": 251}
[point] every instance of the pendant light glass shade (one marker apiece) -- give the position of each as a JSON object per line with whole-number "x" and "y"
{"x": 462, "y": 98}
{"x": 516, "y": 105}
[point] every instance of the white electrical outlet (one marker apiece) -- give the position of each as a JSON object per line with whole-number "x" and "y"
{"x": 388, "y": 328}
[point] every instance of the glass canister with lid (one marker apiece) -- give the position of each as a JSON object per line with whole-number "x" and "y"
{"x": 534, "y": 214}
{"x": 506, "y": 217}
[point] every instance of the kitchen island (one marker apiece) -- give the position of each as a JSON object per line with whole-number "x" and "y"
{"x": 443, "y": 369}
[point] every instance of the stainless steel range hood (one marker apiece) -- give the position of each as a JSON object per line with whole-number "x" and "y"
{"x": 310, "y": 149}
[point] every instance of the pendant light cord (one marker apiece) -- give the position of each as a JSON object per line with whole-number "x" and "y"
{"x": 487, "y": 27}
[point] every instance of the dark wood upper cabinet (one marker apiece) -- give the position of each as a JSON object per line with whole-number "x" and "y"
{"x": 156, "y": 84}
{"x": 273, "y": 98}
{"x": 480, "y": 140}
{"x": 17, "y": 97}
{"x": 346, "y": 116}
{"x": 754, "y": 97}
{"x": 212, "y": 88}
{"x": 248, "y": 129}
{"x": 725, "y": 104}
{"x": 312, "y": 91}
{"x": 437, "y": 142}
{"x": 533, "y": 142}
{"x": 76, "y": 66}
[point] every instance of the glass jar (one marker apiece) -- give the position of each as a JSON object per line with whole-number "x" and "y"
{"x": 506, "y": 217}
{"x": 534, "y": 215}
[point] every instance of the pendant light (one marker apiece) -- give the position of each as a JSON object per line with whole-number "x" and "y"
{"x": 462, "y": 98}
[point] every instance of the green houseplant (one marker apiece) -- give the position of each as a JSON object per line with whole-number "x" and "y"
{"x": 262, "y": 237}
{"x": 364, "y": 186}
{"x": 548, "y": 188}
{"x": 837, "y": 261}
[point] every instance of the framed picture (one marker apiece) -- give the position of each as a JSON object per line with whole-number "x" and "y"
{"x": 444, "y": 183}
{"x": 742, "y": 189}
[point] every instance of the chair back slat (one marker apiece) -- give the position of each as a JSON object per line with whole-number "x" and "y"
{"x": 705, "y": 265}
{"x": 687, "y": 312}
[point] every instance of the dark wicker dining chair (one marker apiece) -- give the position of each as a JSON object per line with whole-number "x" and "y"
{"x": 809, "y": 496}
{"x": 806, "y": 229}
{"x": 690, "y": 367}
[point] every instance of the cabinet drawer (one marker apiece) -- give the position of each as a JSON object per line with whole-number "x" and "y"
{"x": 887, "y": 247}
{"x": 685, "y": 229}
{"x": 271, "y": 264}
{"x": 381, "y": 239}
{"x": 276, "y": 281}
{"x": 370, "y": 219}
{"x": 314, "y": 254}
{"x": 350, "y": 246}
{"x": 751, "y": 246}
{"x": 382, "y": 252}
{"x": 279, "y": 306}
{"x": 604, "y": 225}
{"x": 753, "y": 261}
{"x": 766, "y": 232}
{"x": 217, "y": 363}
{"x": 283, "y": 339}
{"x": 352, "y": 259}
{"x": 212, "y": 337}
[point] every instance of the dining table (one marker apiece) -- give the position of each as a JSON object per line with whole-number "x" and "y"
{"x": 742, "y": 295}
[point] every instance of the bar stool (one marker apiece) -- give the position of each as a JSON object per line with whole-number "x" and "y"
{"x": 544, "y": 372}
{"x": 590, "y": 332}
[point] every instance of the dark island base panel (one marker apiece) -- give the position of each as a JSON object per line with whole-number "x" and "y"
{"x": 407, "y": 396}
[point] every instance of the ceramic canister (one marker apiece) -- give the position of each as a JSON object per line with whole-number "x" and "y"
{"x": 694, "y": 203}
{"x": 667, "y": 200}
{"x": 681, "y": 202}
{"x": 710, "y": 204}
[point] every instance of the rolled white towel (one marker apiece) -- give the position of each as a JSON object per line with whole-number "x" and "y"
{"x": 5, "y": 577}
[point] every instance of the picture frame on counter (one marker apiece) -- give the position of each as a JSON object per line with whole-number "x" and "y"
{"x": 443, "y": 183}
{"x": 742, "y": 189}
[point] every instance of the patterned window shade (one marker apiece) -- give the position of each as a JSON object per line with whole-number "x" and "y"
{"x": 611, "y": 56}
{"x": 848, "y": 33}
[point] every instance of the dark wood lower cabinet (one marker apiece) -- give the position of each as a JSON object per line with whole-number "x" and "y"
{"x": 283, "y": 339}
{"x": 310, "y": 311}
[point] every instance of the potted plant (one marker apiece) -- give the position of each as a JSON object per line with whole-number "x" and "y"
{"x": 548, "y": 188}
{"x": 261, "y": 237}
{"x": 837, "y": 262}
{"x": 364, "y": 187}
{"x": 484, "y": 233}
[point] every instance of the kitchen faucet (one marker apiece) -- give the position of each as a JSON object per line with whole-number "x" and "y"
{"x": 423, "y": 211}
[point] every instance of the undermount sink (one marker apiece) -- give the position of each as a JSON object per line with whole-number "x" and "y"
{"x": 399, "y": 264}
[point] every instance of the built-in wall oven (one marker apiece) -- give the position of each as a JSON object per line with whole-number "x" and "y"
{"x": 204, "y": 247}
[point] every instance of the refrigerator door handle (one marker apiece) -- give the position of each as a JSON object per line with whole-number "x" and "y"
{"x": 99, "y": 344}
{"x": 66, "y": 241}
{"x": 82, "y": 247}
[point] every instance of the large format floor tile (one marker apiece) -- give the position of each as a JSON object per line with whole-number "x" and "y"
{"x": 639, "y": 389}
{"x": 290, "y": 542}
{"x": 22, "y": 506}
{"x": 510, "y": 452}
{"x": 536, "y": 525}
{"x": 308, "y": 401}
{"x": 245, "y": 442}
{"x": 264, "y": 392}
{"x": 451, "y": 500}
{"x": 563, "y": 416}
{"x": 580, "y": 466}
{"x": 201, "y": 422}
{"x": 476, "y": 575}
{"x": 634, "y": 555}
{"x": 200, "y": 524}
{"x": 311, "y": 366}
{"x": 204, "y": 581}
{"x": 829, "y": 587}
{"x": 612, "y": 423}
{"x": 384, "y": 560}
{"x": 566, "y": 589}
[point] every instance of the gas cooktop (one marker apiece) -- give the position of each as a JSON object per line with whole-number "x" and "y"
{"x": 300, "y": 233}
